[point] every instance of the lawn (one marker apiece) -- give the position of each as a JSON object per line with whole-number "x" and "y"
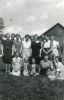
{"x": 30, "y": 88}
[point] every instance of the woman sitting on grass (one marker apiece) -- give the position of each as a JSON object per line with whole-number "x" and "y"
{"x": 16, "y": 65}
{"x": 25, "y": 65}
{"x": 34, "y": 68}
{"x": 46, "y": 66}
{"x": 59, "y": 72}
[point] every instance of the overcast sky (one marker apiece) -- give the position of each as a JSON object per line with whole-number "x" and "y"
{"x": 31, "y": 16}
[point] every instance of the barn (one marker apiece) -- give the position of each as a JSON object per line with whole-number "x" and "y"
{"x": 58, "y": 32}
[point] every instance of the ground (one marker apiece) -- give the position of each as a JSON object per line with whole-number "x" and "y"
{"x": 29, "y": 88}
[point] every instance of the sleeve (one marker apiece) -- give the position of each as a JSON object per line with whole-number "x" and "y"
{"x": 13, "y": 63}
{"x": 2, "y": 42}
{"x": 20, "y": 61}
{"x": 51, "y": 65}
{"x": 31, "y": 45}
{"x": 41, "y": 64}
{"x": 40, "y": 45}
{"x": 57, "y": 44}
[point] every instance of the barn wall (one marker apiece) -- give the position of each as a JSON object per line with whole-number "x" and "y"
{"x": 57, "y": 31}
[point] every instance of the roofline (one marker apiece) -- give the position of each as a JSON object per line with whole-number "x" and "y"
{"x": 52, "y": 28}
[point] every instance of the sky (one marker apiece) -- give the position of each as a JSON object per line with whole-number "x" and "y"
{"x": 31, "y": 16}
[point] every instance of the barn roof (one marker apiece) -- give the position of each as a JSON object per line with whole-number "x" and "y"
{"x": 56, "y": 25}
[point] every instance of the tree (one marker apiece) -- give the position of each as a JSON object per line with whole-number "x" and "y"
{"x": 1, "y": 24}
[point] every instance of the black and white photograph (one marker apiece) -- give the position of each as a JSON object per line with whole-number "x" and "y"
{"x": 31, "y": 49}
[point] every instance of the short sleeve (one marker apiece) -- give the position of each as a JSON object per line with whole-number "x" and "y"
{"x": 51, "y": 64}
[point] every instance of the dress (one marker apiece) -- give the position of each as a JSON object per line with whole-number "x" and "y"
{"x": 46, "y": 66}
{"x": 25, "y": 71}
{"x": 18, "y": 45}
{"x": 33, "y": 69}
{"x": 55, "y": 46}
{"x": 16, "y": 64}
{"x": 7, "y": 51}
{"x": 26, "y": 49}
{"x": 36, "y": 46}
{"x": 60, "y": 68}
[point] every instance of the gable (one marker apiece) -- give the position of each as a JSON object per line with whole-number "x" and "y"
{"x": 56, "y": 30}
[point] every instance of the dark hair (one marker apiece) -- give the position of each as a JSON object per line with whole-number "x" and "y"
{"x": 46, "y": 55}
{"x": 59, "y": 58}
{"x": 27, "y": 35}
{"x": 17, "y": 34}
{"x": 16, "y": 53}
{"x": 36, "y": 35}
{"x": 12, "y": 34}
{"x": 7, "y": 34}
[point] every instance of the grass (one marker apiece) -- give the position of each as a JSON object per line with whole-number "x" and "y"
{"x": 30, "y": 88}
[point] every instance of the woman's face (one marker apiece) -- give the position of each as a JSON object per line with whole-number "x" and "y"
{"x": 7, "y": 36}
{"x": 17, "y": 37}
{"x": 52, "y": 38}
{"x": 47, "y": 38}
{"x": 12, "y": 36}
{"x": 35, "y": 37}
{"x": 56, "y": 59}
{"x": 33, "y": 61}
{"x": 27, "y": 38}
{"x": 17, "y": 55}
{"x": 46, "y": 58}
{"x": 32, "y": 38}
{"x": 26, "y": 60}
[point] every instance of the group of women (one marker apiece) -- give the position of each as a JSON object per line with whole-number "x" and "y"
{"x": 31, "y": 57}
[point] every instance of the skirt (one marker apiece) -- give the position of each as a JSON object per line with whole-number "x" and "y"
{"x": 7, "y": 59}
{"x": 16, "y": 73}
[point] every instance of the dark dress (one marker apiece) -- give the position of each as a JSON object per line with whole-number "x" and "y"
{"x": 7, "y": 50}
{"x": 36, "y": 46}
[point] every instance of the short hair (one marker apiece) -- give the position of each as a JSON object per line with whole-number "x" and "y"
{"x": 59, "y": 58}
{"x": 27, "y": 35}
{"x": 12, "y": 34}
{"x": 7, "y": 34}
{"x": 36, "y": 35}
{"x": 46, "y": 55}
{"x": 17, "y": 35}
{"x": 17, "y": 53}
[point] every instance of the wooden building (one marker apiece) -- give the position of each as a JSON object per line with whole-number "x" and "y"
{"x": 58, "y": 32}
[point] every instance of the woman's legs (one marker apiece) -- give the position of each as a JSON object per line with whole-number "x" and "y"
{"x": 9, "y": 68}
{"x": 6, "y": 68}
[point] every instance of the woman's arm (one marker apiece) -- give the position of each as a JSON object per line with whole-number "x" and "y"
{"x": 44, "y": 51}
{"x": 49, "y": 50}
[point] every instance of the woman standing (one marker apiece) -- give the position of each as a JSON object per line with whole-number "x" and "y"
{"x": 36, "y": 49}
{"x": 18, "y": 44}
{"x": 54, "y": 47}
{"x": 7, "y": 52}
{"x": 46, "y": 66}
{"x": 26, "y": 47}
{"x": 46, "y": 48}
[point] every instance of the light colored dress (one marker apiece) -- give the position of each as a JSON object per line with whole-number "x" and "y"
{"x": 16, "y": 64}
{"x": 60, "y": 67}
{"x": 47, "y": 44}
{"x": 25, "y": 71}
{"x": 58, "y": 73}
{"x": 46, "y": 64}
{"x": 26, "y": 49}
{"x": 33, "y": 70}
{"x": 55, "y": 48}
